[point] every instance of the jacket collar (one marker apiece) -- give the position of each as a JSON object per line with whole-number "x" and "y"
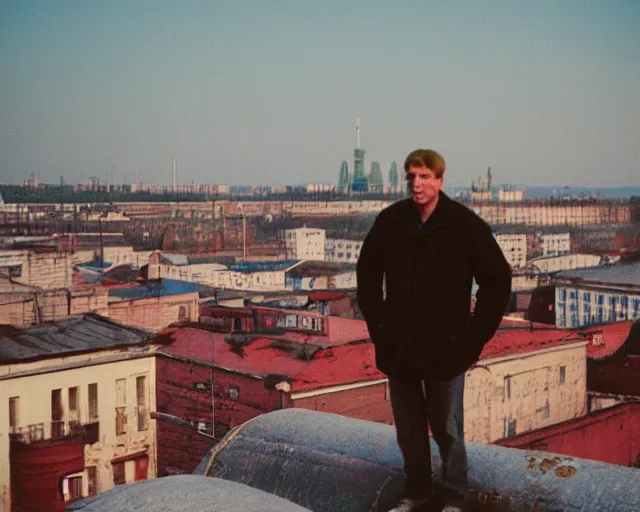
{"x": 441, "y": 216}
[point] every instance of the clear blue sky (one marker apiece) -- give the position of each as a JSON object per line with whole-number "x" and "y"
{"x": 256, "y": 92}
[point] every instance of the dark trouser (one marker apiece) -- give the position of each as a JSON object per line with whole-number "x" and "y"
{"x": 416, "y": 405}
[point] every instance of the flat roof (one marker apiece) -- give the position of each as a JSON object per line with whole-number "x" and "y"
{"x": 626, "y": 274}
{"x": 77, "y": 334}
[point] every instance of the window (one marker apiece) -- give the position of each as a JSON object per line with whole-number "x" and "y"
{"x": 57, "y": 423}
{"x": 563, "y": 374}
{"x": 11, "y": 270}
{"x": 234, "y": 393}
{"x": 507, "y": 387}
{"x": 74, "y": 408}
{"x": 118, "y": 473}
{"x": 121, "y": 401}
{"x": 142, "y": 468}
{"x": 141, "y": 401}
{"x": 92, "y": 478}
{"x": 14, "y": 411}
{"x": 93, "y": 402}
{"x": 72, "y": 487}
{"x": 182, "y": 314}
{"x": 510, "y": 428}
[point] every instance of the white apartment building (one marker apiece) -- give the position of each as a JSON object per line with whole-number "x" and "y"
{"x": 595, "y": 296}
{"x": 555, "y": 244}
{"x": 83, "y": 387}
{"x": 339, "y": 250}
{"x": 305, "y": 243}
{"x": 514, "y": 248}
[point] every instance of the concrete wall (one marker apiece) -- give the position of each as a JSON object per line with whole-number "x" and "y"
{"x": 527, "y": 390}
{"x": 34, "y": 392}
{"x": 44, "y": 270}
{"x": 156, "y": 313}
{"x": 27, "y": 308}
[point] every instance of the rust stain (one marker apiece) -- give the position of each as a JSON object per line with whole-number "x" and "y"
{"x": 547, "y": 464}
{"x": 566, "y": 471}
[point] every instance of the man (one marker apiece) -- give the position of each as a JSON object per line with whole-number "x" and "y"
{"x": 425, "y": 252}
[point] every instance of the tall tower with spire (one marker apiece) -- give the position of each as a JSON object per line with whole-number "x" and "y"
{"x": 359, "y": 183}
{"x": 393, "y": 178}
{"x": 344, "y": 179}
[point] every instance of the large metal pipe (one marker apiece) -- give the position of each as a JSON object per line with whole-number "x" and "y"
{"x": 184, "y": 492}
{"x": 329, "y": 463}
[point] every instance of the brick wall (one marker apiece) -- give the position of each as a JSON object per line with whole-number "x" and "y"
{"x": 27, "y": 308}
{"x": 183, "y": 390}
{"x": 366, "y": 403}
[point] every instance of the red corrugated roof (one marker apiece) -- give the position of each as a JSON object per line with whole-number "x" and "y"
{"x": 520, "y": 337}
{"x": 613, "y": 337}
{"x": 335, "y": 366}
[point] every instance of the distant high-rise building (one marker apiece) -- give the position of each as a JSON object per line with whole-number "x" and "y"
{"x": 393, "y": 178}
{"x": 359, "y": 183}
{"x": 375, "y": 178}
{"x": 344, "y": 178}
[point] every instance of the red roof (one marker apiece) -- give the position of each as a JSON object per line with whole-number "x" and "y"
{"x": 520, "y": 337}
{"x": 613, "y": 337}
{"x": 331, "y": 367}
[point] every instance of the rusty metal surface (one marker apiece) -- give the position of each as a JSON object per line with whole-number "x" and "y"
{"x": 330, "y": 463}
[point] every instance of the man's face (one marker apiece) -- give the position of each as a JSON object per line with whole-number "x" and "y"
{"x": 423, "y": 184}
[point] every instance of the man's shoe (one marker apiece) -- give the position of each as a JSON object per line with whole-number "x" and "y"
{"x": 422, "y": 505}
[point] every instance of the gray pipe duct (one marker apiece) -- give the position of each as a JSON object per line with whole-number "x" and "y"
{"x": 329, "y": 463}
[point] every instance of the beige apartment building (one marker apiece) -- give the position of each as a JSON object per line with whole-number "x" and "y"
{"x": 525, "y": 380}
{"x": 84, "y": 388}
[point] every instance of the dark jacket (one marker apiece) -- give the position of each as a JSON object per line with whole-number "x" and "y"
{"x": 424, "y": 328}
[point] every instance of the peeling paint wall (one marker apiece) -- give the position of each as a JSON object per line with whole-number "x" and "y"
{"x": 525, "y": 393}
{"x": 34, "y": 395}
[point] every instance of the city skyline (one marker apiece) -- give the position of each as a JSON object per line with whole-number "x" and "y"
{"x": 251, "y": 93}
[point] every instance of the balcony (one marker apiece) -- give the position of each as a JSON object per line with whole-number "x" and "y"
{"x": 56, "y": 430}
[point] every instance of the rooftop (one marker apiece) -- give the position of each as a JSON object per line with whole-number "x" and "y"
{"x": 73, "y": 335}
{"x": 626, "y": 275}
{"x": 309, "y": 268}
{"x": 606, "y": 339}
{"x": 160, "y": 288}
{"x": 305, "y": 365}
{"x": 248, "y": 267}
{"x": 521, "y": 337}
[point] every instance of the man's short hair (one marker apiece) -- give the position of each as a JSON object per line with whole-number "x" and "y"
{"x": 426, "y": 158}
